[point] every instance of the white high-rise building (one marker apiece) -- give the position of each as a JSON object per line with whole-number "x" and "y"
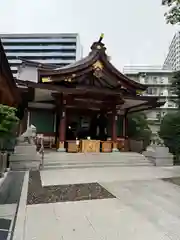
{"x": 158, "y": 81}
{"x": 172, "y": 60}
{"x": 56, "y": 49}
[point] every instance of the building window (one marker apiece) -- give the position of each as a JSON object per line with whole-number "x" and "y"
{"x": 170, "y": 105}
{"x": 161, "y": 93}
{"x": 146, "y": 81}
{"x": 154, "y": 91}
{"x": 162, "y": 80}
{"x": 149, "y": 91}
{"x": 155, "y": 80}
{"x": 158, "y": 115}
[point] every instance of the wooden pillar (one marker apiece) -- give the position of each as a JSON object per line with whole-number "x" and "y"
{"x": 125, "y": 126}
{"x": 62, "y": 125}
{"x": 125, "y": 133}
{"x": 23, "y": 122}
{"x": 114, "y": 130}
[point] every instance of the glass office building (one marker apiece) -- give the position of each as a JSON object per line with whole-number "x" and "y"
{"x": 56, "y": 49}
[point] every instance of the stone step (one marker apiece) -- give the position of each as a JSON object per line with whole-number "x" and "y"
{"x": 97, "y": 161}
{"x": 91, "y": 165}
{"x": 90, "y": 157}
{"x": 89, "y": 160}
{"x": 28, "y": 149}
{"x": 94, "y": 158}
{"x": 65, "y": 154}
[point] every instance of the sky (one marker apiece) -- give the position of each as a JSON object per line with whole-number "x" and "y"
{"x": 135, "y": 31}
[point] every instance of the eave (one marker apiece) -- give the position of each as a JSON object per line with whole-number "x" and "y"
{"x": 6, "y": 72}
{"x": 38, "y": 65}
{"x": 66, "y": 90}
{"x": 85, "y": 65}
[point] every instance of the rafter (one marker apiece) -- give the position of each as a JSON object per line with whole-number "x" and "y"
{"x": 91, "y": 97}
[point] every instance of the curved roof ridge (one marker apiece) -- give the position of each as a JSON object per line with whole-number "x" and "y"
{"x": 38, "y": 64}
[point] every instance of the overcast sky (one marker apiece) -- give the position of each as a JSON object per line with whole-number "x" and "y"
{"x": 135, "y": 30}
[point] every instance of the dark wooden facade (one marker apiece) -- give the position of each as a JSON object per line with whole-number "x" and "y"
{"x": 9, "y": 93}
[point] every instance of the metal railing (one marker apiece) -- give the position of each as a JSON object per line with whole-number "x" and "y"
{"x": 3, "y": 163}
{"x": 41, "y": 151}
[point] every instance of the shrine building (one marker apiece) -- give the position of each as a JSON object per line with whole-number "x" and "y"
{"x": 87, "y": 101}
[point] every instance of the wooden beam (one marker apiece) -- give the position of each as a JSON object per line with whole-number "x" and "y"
{"x": 78, "y": 89}
{"x": 92, "y": 97}
{"x": 90, "y": 104}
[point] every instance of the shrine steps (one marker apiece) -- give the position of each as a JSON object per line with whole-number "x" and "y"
{"x": 91, "y": 160}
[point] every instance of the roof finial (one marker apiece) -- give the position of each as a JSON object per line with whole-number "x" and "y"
{"x": 99, "y": 45}
{"x": 101, "y": 37}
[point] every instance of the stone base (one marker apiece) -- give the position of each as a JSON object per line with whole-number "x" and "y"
{"x": 61, "y": 150}
{"x": 160, "y": 156}
{"x": 61, "y": 147}
{"x": 168, "y": 161}
{"x": 28, "y": 148}
{"x": 25, "y": 157}
{"x": 115, "y": 150}
{"x": 17, "y": 166}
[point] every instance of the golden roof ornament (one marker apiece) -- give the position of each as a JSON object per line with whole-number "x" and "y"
{"x": 98, "y": 45}
{"x": 101, "y": 37}
{"x": 98, "y": 65}
{"x": 139, "y": 92}
{"x": 46, "y": 79}
{"x": 69, "y": 79}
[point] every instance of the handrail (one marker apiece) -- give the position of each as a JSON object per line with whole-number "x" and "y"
{"x": 3, "y": 163}
{"x": 41, "y": 151}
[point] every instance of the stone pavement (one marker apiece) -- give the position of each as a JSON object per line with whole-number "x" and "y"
{"x": 144, "y": 207}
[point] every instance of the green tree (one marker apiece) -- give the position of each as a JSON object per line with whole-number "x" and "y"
{"x": 170, "y": 125}
{"x": 173, "y": 14}
{"x": 8, "y": 121}
{"x": 170, "y": 133}
{"x": 138, "y": 128}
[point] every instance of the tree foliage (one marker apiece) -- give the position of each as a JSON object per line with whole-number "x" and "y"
{"x": 8, "y": 120}
{"x": 138, "y": 127}
{"x": 170, "y": 132}
{"x": 170, "y": 125}
{"x": 173, "y": 14}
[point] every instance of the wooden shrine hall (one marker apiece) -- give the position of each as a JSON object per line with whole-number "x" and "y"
{"x": 88, "y": 97}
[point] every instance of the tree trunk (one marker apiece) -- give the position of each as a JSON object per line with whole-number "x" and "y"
{"x": 177, "y": 159}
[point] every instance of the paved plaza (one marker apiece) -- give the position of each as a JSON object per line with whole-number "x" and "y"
{"x": 143, "y": 207}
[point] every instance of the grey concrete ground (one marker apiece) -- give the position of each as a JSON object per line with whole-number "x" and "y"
{"x": 145, "y": 207}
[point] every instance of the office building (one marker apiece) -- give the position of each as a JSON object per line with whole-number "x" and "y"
{"x": 159, "y": 82}
{"x": 56, "y": 49}
{"x": 172, "y": 60}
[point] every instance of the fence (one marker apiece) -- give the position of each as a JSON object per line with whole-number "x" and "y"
{"x": 3, "y": 163}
